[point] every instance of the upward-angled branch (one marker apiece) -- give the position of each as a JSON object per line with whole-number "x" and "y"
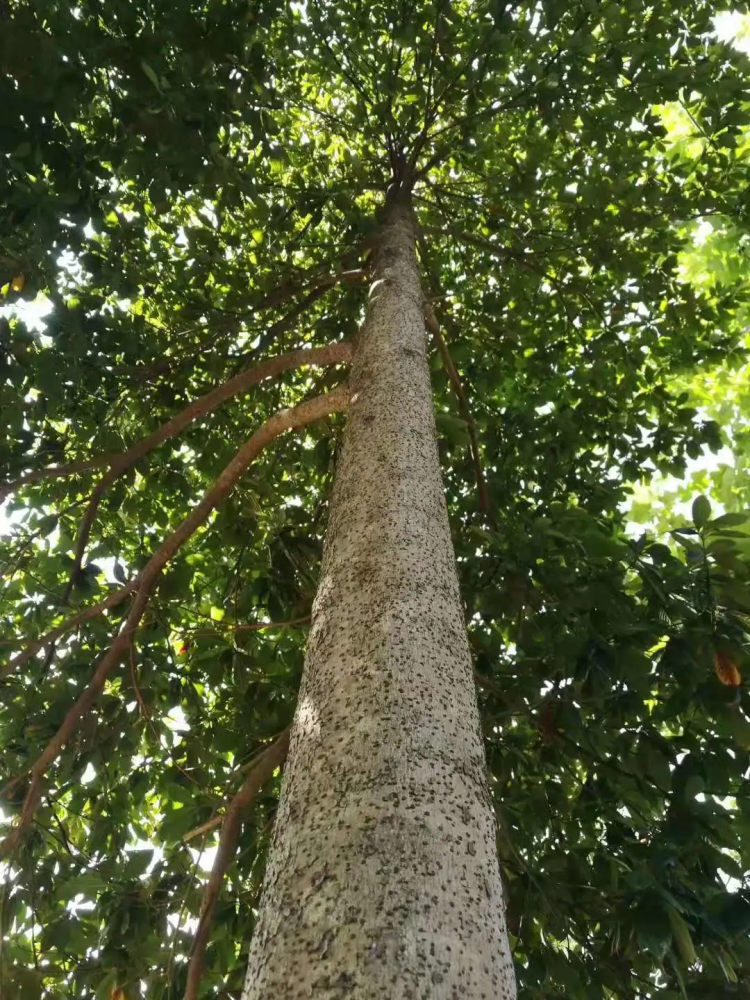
{"x": 284, "y": 291}
{"x": 285, "y": 420}
{"x": 287, "y": 320}
{"x": 278, "y": 296}
{"x": 453, "y": 377}
{"x": 432, "y": 325}
{"x": 434, "y": 101}
{"x": 122, "y": 460}
{"x": 338, "y": 352}
{"x": 260, "y": 772}
{"x": 495, "y": 106}
{"x": 32, "y": 648}
{"x": 497, "y": 250}
{"x": 349, "y": 75}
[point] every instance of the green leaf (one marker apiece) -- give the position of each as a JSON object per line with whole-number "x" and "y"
{"x": 694, "y": 785}
{"x": 153, "y": 77}
{"x": 736, "y": 594}
{"x": 183, "y": 189}
{"x": 88, "y": 884}
{"x": 653, "y": 929}
{"x": 701, "y": 511}
{"x": 455, "y": 429}
{"x": 733, "y": 520}
{"x": 681, "y": 936}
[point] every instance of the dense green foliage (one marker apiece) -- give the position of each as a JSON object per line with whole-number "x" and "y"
{"x": 713, "y": 257}
{"x": 166, "y": 167}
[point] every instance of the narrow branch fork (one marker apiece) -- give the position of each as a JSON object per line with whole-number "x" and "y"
{"x": 120, "y": 462}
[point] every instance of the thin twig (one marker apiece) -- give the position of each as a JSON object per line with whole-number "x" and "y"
{"x": 115, "y": 598}
{"x": 217, "y": 820}
{"x": 247, "y": 627}
{"x": 289, "y": 419}
{"x": 282, "y": 325}
{"x": 265, "y": 765}
{"x": 120, "y": 462}
{"x": 134, "y": 678}
{"x": 283, "y": 292}
{"x": 432, "y": 325}
{"x": 496, "y": 249}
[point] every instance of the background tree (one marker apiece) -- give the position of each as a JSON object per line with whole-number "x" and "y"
{"x": 190, "y": 190}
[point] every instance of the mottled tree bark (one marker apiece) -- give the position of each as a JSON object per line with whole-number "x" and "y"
{"x": 383, "y": 881}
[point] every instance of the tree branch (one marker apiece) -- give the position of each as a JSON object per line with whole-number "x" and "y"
{"x": 495, "y": 107}
{"x": 337, "y": 352}
{"x": 278, "y": 296}
{"x": 247, "y": 626}
{"x": 288, "y": 419}
{"x": 283, "y": 324}
{"x": 432, "y": 325}
{"x": 498, "y": 250}
{"x": 115, "y": 598}
{"x": 284, "y": 291}
{"x": 261, "y": 770}
{"x": 120, "y": 461}
{"x": 463, "y": 403}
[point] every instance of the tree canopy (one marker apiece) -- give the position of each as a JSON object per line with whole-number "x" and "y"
{"x": 188, "y": 190}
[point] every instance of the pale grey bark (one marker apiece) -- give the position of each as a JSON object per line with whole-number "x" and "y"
{"x": 383, "y": 881}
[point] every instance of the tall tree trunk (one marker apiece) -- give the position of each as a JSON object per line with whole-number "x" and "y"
{"x": 383, "y": 881}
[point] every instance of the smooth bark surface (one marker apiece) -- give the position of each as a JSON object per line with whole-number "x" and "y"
{"x": 383, "y": 880}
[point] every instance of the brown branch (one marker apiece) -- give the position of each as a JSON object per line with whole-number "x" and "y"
{"x": 262, "y": 769}
{"x": 247, "y": 627}
{"x": 134, "y": 678}
{"x": 463, "y": 403}
{"x": 120, "y": 461}
{"x": 287, "y": 321}
{"x": 284, "y": 291}
{"x": 496, "y": 249}
{"x": 282, "y": 325}
{"x": 340, "y": 351}
{"x": 84, "y": 529}
{"x": 285, "y": 420}
{"x": 218, "y": 819}
{"x": 115, "y": 598}
{"x": 432, "y": 325}
{"x": 206, "y": 827}
{"x": 523, "y": 257}
{"x": 51, "y": 471}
